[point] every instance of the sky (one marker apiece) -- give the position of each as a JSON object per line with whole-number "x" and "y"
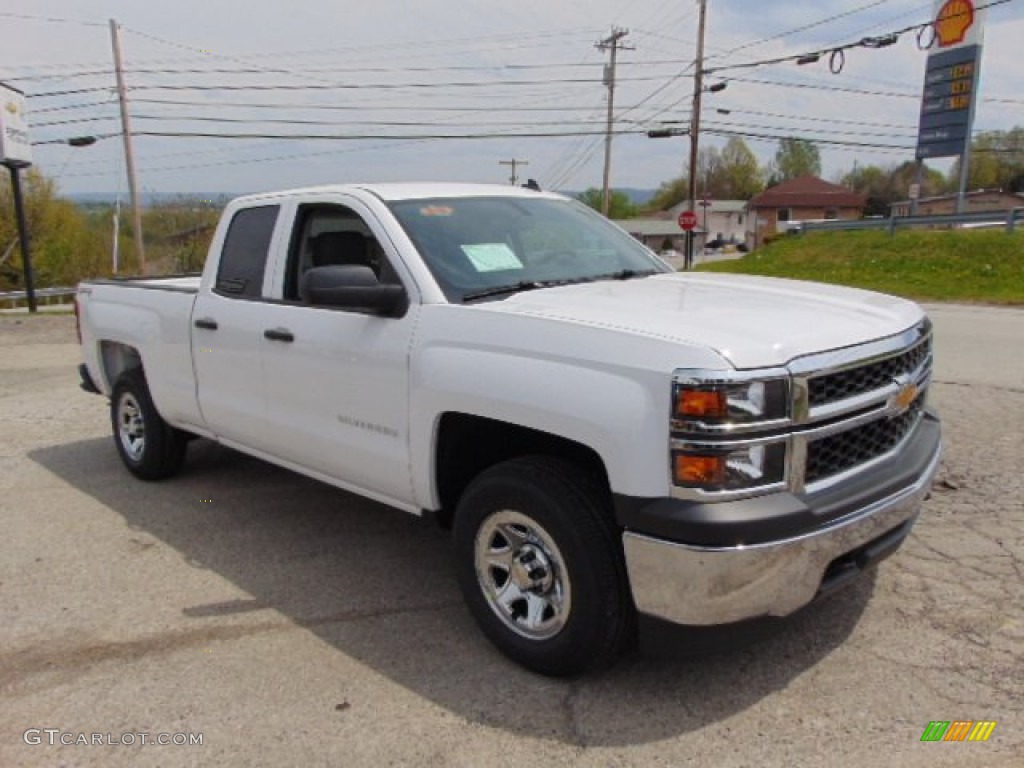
{"x": 387, "y": 84}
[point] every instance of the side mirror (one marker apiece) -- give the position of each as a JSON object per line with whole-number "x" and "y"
{"x": 351, "y": 287}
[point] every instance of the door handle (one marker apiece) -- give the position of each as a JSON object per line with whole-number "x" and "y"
{"x": 278, "y": 334}
{"x": 206, "y": 323}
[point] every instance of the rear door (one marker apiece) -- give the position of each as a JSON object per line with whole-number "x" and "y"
{"x": 227, "y": 333}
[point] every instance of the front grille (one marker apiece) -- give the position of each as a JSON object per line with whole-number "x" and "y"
{"x": 833, "y": 387}
{"x": 837, "y": 453}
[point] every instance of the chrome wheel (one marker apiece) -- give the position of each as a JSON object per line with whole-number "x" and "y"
{"x": 522, "y": 575}
{"x": 131, "y": 427}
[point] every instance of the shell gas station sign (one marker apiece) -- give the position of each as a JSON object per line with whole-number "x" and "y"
{"x": 951, "y": 79}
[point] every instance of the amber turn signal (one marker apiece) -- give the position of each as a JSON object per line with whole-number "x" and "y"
{"x": 699, "y": 470}
{"x": 696, "y": 402}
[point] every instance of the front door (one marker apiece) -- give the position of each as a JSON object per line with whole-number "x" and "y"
{"x": 336, "y": 381}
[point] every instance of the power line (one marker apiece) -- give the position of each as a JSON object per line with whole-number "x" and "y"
{"x": 837, "y": 53}
{"x": 355, "y": 107}
{"x": 299, "y": 121}
{"x": 823, "y": 87}
{"x": 376, "y": 137}
{"x": 803, "y": 28}
{"x": 336, "y": 70}
{"x": 811, "y": 119}
{"x": 50, "y": 19}
{"x": 341, "y": 86}
{"x": 844, "y": 132}
{"x": 830, "y": 142}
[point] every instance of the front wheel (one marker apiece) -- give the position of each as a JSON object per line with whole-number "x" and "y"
{"x": 150, "y": 448}
{"x": 540, "y": 565}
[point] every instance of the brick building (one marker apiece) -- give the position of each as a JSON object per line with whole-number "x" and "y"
{"x": 806, "y": 198}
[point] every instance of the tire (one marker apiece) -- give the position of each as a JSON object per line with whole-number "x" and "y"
{"x": 539, "y": 561}
{"x": 150, "y": 448}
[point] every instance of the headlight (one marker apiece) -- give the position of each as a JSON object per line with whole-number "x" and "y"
{"x": 740, "y": 403}
{"x": 730, "y": 469}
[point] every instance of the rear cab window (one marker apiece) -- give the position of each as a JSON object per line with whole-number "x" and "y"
{"x": 243, "y": 259}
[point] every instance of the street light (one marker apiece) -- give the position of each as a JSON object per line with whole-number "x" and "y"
{"x": 666, "y": 133}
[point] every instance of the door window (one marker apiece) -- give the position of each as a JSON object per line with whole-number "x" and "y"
{"x": 243, "y": 259}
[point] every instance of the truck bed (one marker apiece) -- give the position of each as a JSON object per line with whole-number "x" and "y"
{"x": 183, "y": 283}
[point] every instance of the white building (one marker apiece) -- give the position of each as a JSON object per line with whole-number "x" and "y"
{"x": 724, "y": 220}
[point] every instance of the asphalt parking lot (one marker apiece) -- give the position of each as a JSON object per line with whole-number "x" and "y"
{"x": 288, "y": 623}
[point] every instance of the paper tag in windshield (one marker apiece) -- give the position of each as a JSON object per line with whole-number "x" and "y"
{"x": 491, "y": 257}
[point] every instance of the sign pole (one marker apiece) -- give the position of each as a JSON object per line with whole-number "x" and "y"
{"x": 26, "y": 258}
{"x": 965, "y": 158}
{"x": 687, "y": 220}
{"x": 916, "y": 186}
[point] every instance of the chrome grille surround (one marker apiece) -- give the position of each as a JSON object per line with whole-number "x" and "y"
{"x": 850, "y": 409}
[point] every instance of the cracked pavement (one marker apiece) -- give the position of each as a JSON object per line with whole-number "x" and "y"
{"x": 291, "y": 623}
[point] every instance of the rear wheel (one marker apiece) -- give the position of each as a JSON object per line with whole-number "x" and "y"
{"x": 540, "y": 565}
{"x": 150, "y": 448}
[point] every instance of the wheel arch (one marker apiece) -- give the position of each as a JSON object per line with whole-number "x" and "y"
{"x": 116, "y": 358}
{"x": 467, "y": 444}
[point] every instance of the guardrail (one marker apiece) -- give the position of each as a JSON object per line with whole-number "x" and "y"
{"x": 12, "y": 299}
{"x": 1008, "y": 219}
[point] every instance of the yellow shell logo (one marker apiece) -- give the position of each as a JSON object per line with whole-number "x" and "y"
{"x": 11, "y": 107}
{"x": 953, "y": 21}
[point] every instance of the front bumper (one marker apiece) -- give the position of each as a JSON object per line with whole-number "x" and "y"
{"x": 707, "y": 583}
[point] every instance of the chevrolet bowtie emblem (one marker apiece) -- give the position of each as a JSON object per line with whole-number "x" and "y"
{"x": 902, "y": 400}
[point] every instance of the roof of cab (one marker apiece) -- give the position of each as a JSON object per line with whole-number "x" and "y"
{"x": 417, "y": 190}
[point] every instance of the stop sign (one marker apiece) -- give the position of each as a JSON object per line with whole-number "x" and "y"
{"x": 687, "y": 220}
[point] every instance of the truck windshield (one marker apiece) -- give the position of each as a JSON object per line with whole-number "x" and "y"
{"x": 490, "y": 247}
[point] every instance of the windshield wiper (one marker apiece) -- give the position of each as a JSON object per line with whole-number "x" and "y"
{"x": 530, "y": 285}
{"x": 626, "y": 274}
{"x": 501, "y": 290}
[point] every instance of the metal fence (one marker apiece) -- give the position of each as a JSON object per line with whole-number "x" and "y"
{"x": 12, "y": 299}
{"x": 1007, "y": 219}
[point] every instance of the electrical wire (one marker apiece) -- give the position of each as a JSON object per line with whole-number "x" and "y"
{"x": 50, "y": 19}
{"x": 337, "y": 70}
{"x": 342, "y": 86}
{"x": 378, "y": 137}
{"x": 838, "y": 52}
{"x": 802, "y": 28}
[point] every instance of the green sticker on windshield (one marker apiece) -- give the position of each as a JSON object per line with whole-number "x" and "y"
{"x": 491, "y": 257}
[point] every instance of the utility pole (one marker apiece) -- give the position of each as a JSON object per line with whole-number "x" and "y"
{"x": 129, "y": 156}
{"x": 513, "y": 179}
{"x": 698, "y": 88}
{"x": 614, "y": 44}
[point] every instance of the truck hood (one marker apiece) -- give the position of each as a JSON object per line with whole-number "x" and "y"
{"x": 753, "y": 322}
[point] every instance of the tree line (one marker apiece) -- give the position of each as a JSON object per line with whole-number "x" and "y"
{"x": 70, "y": 242}
{"x": 733, "y": 173}
{"x": 73, "y": 242}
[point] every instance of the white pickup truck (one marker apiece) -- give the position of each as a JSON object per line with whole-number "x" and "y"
{"x": 613, "y": 444}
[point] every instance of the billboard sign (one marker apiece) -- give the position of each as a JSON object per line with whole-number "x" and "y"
{"x": 950, "y": 80}
{"x": 15, "y": 147}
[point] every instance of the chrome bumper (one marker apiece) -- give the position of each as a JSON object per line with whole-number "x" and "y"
{"x": 706, "y": 585}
